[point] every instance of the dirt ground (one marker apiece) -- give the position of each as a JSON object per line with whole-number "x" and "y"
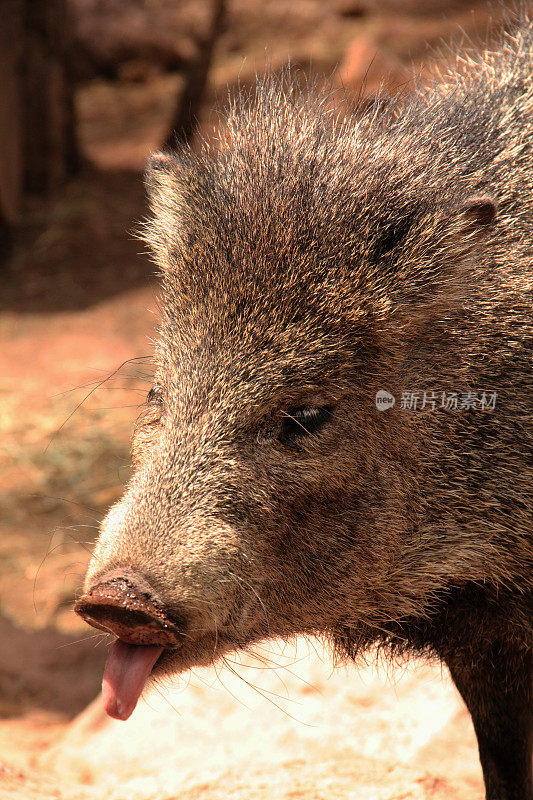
{"x": 79, "y": 311}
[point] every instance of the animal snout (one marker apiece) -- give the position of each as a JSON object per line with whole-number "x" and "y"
{"x": 122, "y": 603}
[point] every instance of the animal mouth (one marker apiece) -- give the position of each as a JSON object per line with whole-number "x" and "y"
{"x": 124, "y": 607}
{"x": 148, "y": 637}
{"x": 129, "y": 667}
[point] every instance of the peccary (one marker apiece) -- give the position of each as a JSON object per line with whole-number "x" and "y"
{"x": 311, "y": 264}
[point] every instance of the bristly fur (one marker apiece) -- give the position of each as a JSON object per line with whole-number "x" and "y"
{"x": 311, "y": 261}
{"x": 364, "y": 189}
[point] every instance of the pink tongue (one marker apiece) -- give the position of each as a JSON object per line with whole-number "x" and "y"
{"x": 127, "y": 669}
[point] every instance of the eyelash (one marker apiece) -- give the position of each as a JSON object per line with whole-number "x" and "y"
{"x": 297, "y": 423}
{"x": 301, "y": 422}
{"x": 154, "y": 395}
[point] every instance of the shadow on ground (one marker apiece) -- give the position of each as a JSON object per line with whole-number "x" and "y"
{"x": 37, "y": 669}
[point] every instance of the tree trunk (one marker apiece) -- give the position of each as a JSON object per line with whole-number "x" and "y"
{"x": 37, "y": 122}
{"x": 184, "y": 122}
{"x": 10, "y": 119}
{"x": 49, "y": 145}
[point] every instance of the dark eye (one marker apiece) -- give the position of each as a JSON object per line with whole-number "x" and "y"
{"x": 297, "y": 423}
{"x": 154, "y": 395}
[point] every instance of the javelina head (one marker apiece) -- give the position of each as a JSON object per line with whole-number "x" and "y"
{"x": 269, "y": 495}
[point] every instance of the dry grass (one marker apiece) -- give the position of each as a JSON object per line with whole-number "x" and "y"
{"x": 61, "y": 467}
{"x": 54, "y": 461}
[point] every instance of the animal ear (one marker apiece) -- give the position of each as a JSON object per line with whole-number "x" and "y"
{"x": 160, "y": 169}
{"x": 477, "y": 214}
{"x": 442, "y": 259}
{"x": 169, "y": 193}
{"x": 390, "y": 237}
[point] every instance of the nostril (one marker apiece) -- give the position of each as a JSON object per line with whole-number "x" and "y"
{"x": 123, "y": 606}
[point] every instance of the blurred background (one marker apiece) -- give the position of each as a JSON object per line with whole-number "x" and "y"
{"x": 88, "y": 88}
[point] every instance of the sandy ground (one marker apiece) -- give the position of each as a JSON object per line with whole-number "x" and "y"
{"x": 304, "y": 732}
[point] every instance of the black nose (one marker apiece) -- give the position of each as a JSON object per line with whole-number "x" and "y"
{"x": 123, "y": 604}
